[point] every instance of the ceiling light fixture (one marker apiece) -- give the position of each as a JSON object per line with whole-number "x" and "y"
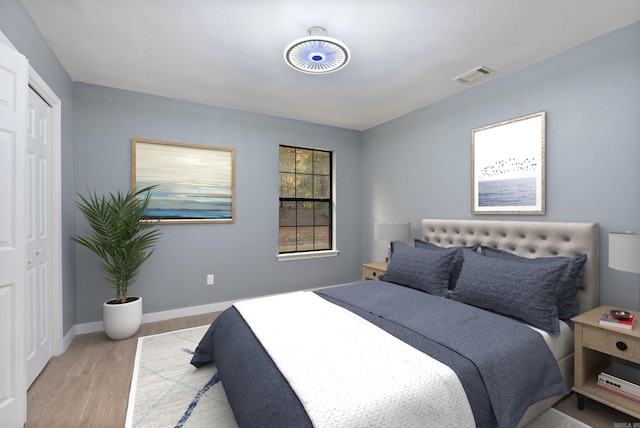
{"x": 317, "y": 53}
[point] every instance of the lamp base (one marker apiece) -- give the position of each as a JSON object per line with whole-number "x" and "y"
{"x": 389, "y": 251}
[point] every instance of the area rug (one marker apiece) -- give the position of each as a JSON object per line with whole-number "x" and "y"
{"x": 167, "y": 391}
{"x": 556, "y": 419}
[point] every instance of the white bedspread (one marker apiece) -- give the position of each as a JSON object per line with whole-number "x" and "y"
{"x": 348, "y": 372}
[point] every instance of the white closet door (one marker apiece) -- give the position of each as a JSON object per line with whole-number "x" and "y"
{"x": 13, "y": 106}
{"x": 38, "y": 194}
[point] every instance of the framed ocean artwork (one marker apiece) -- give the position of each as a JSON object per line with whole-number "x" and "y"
{"x": 508, "y": 166}
{"x": 194, "y": 183}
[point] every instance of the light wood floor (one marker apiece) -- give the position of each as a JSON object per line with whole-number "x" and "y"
{"x": 88, "y": 385}
{"x": 595, "y": 414}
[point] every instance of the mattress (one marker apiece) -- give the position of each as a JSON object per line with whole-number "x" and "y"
{"x": 561, "y": 346}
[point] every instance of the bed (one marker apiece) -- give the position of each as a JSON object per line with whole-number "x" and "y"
{"x": 448, "y": 335}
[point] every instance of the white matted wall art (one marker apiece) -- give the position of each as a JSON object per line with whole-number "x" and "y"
{"x": 195, "y": 184}
{"x": 508, "y": 166}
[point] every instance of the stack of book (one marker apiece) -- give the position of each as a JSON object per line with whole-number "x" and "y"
{"x": 623, "y": 378}
{"x": 610, "y": 320}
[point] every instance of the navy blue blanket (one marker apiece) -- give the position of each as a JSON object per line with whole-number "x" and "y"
{"x": 503, "y": 365}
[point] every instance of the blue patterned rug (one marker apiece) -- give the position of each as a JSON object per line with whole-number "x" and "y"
{"x": 167, "y": 391}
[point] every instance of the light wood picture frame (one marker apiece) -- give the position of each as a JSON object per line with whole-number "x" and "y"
{"x": 508, "y": 166}
{"x": 195, "y": 183}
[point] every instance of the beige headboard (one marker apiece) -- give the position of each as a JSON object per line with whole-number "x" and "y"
{"x": 527, "y": 239}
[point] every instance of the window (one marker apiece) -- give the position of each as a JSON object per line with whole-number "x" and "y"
{"x": 306, "y": 205}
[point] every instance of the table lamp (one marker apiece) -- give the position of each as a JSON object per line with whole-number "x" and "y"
{"x": 624, "y": 251}
{"x": 392, "y": 231}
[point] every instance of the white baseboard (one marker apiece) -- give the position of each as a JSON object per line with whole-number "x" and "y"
{"x": 186, "y": 312}
{"x": 92, "y": 327}
{"x": 66, "y": 340}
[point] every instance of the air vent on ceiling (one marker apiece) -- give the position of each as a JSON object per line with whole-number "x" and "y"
{"x": 474, "y": 74}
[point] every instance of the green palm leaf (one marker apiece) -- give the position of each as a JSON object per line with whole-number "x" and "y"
{"x": 119, "y": 234}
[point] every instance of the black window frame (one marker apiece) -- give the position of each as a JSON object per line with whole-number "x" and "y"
{"x": 327, "y": 201}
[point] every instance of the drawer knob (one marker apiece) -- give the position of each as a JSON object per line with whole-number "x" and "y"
{"x": 621, "y": 346}
{"x": 375, "y": 274}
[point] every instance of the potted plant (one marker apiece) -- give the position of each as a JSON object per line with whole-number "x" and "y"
{"x": 123, "y": 238}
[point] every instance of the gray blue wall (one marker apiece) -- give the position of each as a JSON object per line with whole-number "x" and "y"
{"x": 18, "y": 27}
{"x": 241, "y": 255}
{"x": 419, "y": 165}
{"x": 412, "y": 167}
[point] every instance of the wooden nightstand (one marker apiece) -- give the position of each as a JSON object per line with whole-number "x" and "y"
{"x": 373, "y": 270}
{"x": 595, "y": 345}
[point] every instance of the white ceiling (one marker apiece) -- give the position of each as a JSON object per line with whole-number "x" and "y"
{"x": 229, "y": 53}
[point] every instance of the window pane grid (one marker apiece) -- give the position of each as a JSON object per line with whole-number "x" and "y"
{"x": 305, "y": 200}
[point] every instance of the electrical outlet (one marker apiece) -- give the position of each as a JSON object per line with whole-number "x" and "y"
{"x": 210, "y": 279}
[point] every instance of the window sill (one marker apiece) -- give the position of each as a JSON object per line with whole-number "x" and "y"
{"x": 309, "y": 255}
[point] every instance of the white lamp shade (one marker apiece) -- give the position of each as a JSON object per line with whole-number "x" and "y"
{"x": 393, "y": 230}
{"x": 624, "y": 251}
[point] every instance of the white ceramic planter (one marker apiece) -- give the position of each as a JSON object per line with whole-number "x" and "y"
{"x": 122, "y": 320}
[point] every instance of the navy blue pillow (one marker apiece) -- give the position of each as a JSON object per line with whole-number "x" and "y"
{"x": 568, "y": 306}
{"x": 419, "y": 268}
{"x": 457, "y": 262}
{"x": 526, "y": 291}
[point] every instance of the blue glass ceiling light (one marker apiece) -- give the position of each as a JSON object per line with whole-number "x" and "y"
{"x": 317, "y": 53}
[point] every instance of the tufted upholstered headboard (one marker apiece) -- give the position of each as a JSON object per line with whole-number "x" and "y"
{"x": 527, "y": 239}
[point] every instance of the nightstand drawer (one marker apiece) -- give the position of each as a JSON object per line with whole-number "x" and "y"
{"x": 612, "y": 343}
{"x": 368, "y": 272}
{"x": 372, "y": 271}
